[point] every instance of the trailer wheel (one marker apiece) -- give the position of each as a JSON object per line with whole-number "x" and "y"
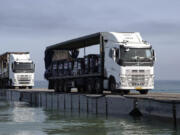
{"x": 66, "y": 89}
{"x": 50, "y": 85}
{"x": 112, "y": 84}
{"x": 126, "y": 92}
{"x": 97, "y": 86}
{"x": 16, "y": 87}
{"x": 6, "y": 84}
{"x": 80, "y": 89}
{"x": 61, "y": 86}
{"x": 10, "y": 84}
{"x": 143, "y": 91}
{"x": 56, "y": 86}
{"x": 89, "y": 86}
{"x": 0, "y": 83}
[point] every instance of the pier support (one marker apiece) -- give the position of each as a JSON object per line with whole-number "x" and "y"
{"x": 135, "y": 112}
{"x": 174, "y": 115}
{"x": 108, "y": 105}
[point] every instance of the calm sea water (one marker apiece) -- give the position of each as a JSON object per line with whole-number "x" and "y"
{"x": 18, "y": 118}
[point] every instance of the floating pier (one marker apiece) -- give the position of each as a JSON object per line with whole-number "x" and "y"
{"x": 163, "y": 105}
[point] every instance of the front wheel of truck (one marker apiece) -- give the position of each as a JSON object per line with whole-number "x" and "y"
{"x": 112, "y": 84}
{"x": 143, "y": 91}
{"x": 126, "y": 92}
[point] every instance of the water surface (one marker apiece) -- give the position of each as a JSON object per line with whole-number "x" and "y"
{"x": 18, "y": 118}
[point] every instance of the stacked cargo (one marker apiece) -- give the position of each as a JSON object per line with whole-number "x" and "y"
{"x": 92, "y": 64}
{"x": 61, "y": 67}
{"x": 88, "y": 65}
{"x": 78, "y": 68}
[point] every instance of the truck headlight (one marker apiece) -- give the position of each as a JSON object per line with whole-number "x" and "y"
{"x": 15, "y": 81}
{"x": 151, "y": 81}
{"x": 128, "y": 71}
{"x": 123, "y": 81}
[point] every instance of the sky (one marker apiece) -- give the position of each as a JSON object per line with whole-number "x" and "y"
{"x": 29, "y": 25}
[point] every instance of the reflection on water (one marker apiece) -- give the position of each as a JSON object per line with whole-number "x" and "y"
{"x": 20, "y": 119}
{"x": 21, "y": 113}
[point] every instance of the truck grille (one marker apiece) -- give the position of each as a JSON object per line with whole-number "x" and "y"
{"x": 138, "y": 77}
{"x": 24, "y": 79}
{"x": 138, "y": 80}
{"x": 24, "y": 82}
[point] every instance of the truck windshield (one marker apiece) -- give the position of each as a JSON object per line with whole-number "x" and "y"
{"x": 134, "y": 56}
{"x": 23, "y": 67}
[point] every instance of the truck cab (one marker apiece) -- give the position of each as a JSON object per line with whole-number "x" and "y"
{"x": 21, "y": 70}
{"x": 129, "y": 62}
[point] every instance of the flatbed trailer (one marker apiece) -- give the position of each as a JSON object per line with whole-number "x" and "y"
{"x": 77, "y": 76}
{"x": 86, "y": 41}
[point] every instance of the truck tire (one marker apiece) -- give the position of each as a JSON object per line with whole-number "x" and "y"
{"x": 0, "y": 83}
{"x": 50, "y": 85}
{"x": 80, "y": 84}
{"x": 61, "y": 86}
{"x": 16, "y": 87}
{"x": 126, "y": 92}
{"x": 97, "y": 86}
{"x": 66, "y": 89}
{"x": 112, "y": 84}
{"x": 143, "y": 91}
{"x": 56, "y": 87}
{"x": 10, "y": 84}
{"x": 89, "y": 86}
{"x": 80, "y": 89}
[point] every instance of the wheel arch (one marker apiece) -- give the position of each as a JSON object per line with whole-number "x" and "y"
{"x": 111, "y": 77}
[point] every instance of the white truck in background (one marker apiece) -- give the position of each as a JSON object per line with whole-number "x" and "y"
{"x": 16, "y": 70}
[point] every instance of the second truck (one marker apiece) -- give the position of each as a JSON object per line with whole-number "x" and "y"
{"x": 16, "y": 70}
{"x": 125, "y": 62}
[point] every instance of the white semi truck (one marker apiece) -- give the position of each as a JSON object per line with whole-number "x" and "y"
{"x": 125, "y": 62}
{"x": 16, "y": 70}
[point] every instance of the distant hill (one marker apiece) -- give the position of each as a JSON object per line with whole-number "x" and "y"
{"x": 41, "y": 84}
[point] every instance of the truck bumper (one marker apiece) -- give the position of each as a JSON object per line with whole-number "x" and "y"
{"x": 136, "y": 88}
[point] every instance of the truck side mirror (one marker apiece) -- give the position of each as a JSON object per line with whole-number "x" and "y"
{"x": 126, "y": 50}
{"x": 113, "y": 53}
{"x": 154, "y": 55}
{"x": 34, "y": 67}
{"x": 13, "y": 67}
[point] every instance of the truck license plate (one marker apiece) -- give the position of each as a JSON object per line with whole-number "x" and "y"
{"x": 138, "y": 88}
